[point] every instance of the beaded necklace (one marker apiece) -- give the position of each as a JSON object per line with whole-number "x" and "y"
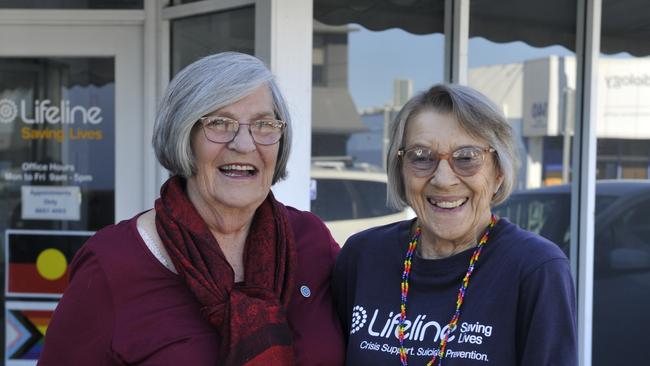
{"x": 459, "y": 300}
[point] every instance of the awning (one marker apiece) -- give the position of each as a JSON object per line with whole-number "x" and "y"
{"x": 625, "y": 23}
{"x": 333, "y": 112}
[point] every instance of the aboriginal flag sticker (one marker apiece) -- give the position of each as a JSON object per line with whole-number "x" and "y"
{"x": 37, "y": 261}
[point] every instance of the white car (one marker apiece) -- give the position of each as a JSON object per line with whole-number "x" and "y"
{"x": 350, "y": 200}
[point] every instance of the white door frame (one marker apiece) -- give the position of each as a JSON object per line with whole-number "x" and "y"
{"x": 90, "y": 33}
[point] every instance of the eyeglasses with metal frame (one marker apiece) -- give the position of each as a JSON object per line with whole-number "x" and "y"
{"x": 222, "y": 130}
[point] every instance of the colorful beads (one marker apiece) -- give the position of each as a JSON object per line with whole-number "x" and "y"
{"x": 459, "y": 299}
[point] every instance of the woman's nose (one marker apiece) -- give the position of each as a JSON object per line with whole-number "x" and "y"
{"x": 243, "y": 141}
{"x": 443, "y": 175}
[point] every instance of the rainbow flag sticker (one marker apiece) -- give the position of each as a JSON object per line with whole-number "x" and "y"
{"x": 25, "y": 327}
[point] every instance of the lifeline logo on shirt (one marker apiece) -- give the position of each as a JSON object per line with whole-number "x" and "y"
{"x": 359, "y": 318}
{"x": 418, "y": 330}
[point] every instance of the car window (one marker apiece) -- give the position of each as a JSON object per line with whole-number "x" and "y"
{"x": 630, "y": 245}
{"x": 546, "y": 215}
{"x": 333, "y": 200}
{"x": 371, "y": 198}
{"x": 602, "y": 202}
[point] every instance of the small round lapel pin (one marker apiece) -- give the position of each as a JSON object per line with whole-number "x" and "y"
{"x": 305, "y": 291}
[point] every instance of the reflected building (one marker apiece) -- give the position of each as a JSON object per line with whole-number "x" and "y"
{"x": 537, "y": 97}
{"x": 371, "y": 146}
{"x": 334, "y": 115}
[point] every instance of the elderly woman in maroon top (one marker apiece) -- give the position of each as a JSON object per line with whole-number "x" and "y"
{"x": 219, "y": 272}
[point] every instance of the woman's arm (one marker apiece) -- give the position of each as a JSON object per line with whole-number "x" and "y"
{"x": 311, "y": 315}
{"x": 81, "y": 329}
{"x": 546, "y": 319}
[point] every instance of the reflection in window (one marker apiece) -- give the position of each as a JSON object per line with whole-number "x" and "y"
{"x": 521, "y": 57}
{"x": 349, "y": 199}
{"x": 361, "y": 78}
{"x": 179, "y": 2}
{"x": 202, "y": 35}
{"x": 632, "y": 237}
{"x": 623, "y": 130}
{"x": 57, "y": 131}
{"x": 535, "y": 88}
{"x": 385, "y": 68}
{"x": 366, "y": 193}
{"x": 543, "y": 214}
{"x": 318, "y": 60}
{"x": 622, "y": 267}
{"x": 622, "y": 274}
{"x": 333, "y": 200}
{"x": 72, "y": 4}
{"x": 334, "y": 113}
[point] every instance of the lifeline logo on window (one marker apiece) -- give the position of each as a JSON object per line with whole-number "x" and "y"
{"x": 46, "y": 112}
{"x": 8, "y": 111}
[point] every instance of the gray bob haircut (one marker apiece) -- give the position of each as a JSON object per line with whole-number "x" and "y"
{"x": 476, "y": 115}
{"x": 205, "y": 86}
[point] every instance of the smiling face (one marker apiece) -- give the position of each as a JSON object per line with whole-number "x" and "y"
{"x": 235, "y": 175}
{"x": 450, "y": 208}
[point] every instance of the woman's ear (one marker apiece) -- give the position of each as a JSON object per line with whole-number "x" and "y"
{"x": 499, "y": 182}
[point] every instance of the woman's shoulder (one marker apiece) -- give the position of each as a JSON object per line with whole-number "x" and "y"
{"x": 306, "y": 225}
{"x": 525, "y": 247}
{"x": 111, "y": 248}
{"x": 313, "y": 238}
{"x": 379, "y": 239}
{"x": 298, "y": 218}
{"x": 112, "y": 238}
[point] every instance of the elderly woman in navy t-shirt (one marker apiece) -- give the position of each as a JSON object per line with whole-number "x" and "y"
{"x": 456, "y": 285}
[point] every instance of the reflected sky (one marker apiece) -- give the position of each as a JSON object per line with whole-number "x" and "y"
{"x": 377, "y": 58}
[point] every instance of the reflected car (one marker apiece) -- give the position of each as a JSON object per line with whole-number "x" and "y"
{"x": 351, "y": 200}
{"x": 621, "y": 295}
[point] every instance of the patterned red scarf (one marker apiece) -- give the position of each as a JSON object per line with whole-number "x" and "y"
{"x": 250, "y": 317}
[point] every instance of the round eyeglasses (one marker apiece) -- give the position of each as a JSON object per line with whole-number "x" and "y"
{"x": 222, "y": 130}
{"x": 464, "y": 161}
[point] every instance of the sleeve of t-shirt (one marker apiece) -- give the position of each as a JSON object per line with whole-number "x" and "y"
{"x": 547, "y": 316}
{"x": 80, "y": 331}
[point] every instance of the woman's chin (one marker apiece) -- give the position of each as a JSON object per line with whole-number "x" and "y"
{"x": 449, "y": 223}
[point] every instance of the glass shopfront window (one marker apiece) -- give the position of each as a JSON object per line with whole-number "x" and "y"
{"x": 72, "y": 4}
{"x": 57, "y": 131}
{"x": 529, "y": 70}
{"x": 202, "y": 35}
{"x": 57, "y": 181}
{"x": 622, "y": 233}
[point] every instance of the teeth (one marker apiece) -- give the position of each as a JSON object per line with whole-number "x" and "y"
{"x": 238, "y": 167}
{"x": 449, "y": 204}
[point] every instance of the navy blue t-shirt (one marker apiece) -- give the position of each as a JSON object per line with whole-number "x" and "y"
{"x": 519, "y": 308}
